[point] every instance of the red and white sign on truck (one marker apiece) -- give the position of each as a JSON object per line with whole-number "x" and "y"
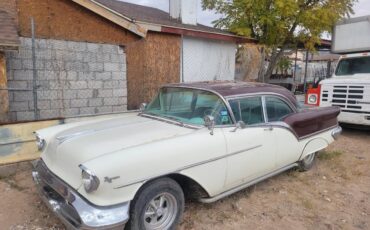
{"x": 349, "y": 87}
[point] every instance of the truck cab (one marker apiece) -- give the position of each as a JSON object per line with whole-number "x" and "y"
{"x": 349, "y": 86}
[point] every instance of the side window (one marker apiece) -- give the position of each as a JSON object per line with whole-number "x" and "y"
{"x": 276, "y": 109}
{"x": 248, "y": 109}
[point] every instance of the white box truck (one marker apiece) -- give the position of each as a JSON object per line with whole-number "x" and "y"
{"x": 349, "y": 87}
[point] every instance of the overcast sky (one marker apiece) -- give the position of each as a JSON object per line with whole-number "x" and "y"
{"x": 206, "y": 17}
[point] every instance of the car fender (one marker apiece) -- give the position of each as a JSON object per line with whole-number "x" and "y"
{"x": 313, "y": 146}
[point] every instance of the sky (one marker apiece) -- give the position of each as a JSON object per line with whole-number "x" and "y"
{"x": 361, "y": 8}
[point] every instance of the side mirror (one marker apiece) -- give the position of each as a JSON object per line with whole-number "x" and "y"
{"x": 209, "y": 122}
{"x": 143, "y": 106}
{"x": 239, "y": 125}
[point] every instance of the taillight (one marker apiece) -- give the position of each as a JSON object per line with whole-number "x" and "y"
{"x": 313, "y": 96}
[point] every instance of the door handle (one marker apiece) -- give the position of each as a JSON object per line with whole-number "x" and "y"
{"x": 270, "y": 128}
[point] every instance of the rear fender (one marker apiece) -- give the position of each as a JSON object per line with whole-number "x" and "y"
{"x": 313, "y": 146}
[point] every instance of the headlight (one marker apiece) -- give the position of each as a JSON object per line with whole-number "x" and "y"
{"x": 89, "y": 179}
{"x": 40, "y": 143}
{"x": 312, "y": 99}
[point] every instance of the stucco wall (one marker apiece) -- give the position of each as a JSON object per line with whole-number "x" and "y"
{"x": 74, "y": 78}
{"x": 207, "y": 60}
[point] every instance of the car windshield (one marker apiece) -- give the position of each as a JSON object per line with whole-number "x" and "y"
{"x": 350, "y": 66}
{"x": 188, "y": 106}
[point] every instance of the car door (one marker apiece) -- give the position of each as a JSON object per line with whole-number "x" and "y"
{"x": 251, "y": 150}
{"x": 288, "y": 148}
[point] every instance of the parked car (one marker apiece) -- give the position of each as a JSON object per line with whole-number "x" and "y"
{"x": 202, "y": 141}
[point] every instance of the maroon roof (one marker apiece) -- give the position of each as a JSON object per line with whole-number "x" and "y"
{"x": 8, "y": 32}
{"x": 232, "y": 88}
{"x": 155, "y": 16}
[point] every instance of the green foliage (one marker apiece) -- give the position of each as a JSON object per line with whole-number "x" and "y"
{"x": 280, "y": 23}
{"x": 283, "y": 65}
{"x": 329, "y": 155}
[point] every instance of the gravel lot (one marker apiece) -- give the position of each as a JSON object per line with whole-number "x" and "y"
{"x": 335, "y": 194}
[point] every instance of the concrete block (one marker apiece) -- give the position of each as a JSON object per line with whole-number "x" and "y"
{"x": 95, "y": 102}
{"x": 120, "y": 108}
{"x": 105, "y": 109}
{"x": 118, "y": 75}
{"x": 58, "y": 44}
{"x": 42, "y": 85}
{"x": 87, "y": 110}
{"x": 43, "y": 54}
{"x": 117, "y": 58}
{"x": 105, "y": 93}
{"x": 69, "y": 112}
{"x": 72, "y": 75}
{"x": 104, "y": 76}
{"x": 59, "y": 104}
{"x": 69, "y": 94}
{"x": 23, "y": 96}
{"x": 85, "y": 93}
{"x": 103, "y": 57}
{"x": 15, "y": 64}
{"x": 18, "y": 84}
{"x": 43, "y": 104}
{"x": 76, "y": 46}
{"x": 78, "y": 103}
{"x": 96, "y": 66}
{"x": 109, "y": 49}
{"x": 86, "y": 76}
{"x": 25, "y": 116}
{"x": 78, "y": 84}
{"x": 89, "y": 57}
{"x": 26, "y": 42}
{"x": 23, "y": 54}
{"x": 93, "y": 47}
{"x": 47, "y": 114}
{"x": 18, "y": 106}
{"x": 119, "y": 92}
{"x": 48, "y": 95}
{"x": 112, "y": 101}
{"x": 95, "y": 84}
{"x": 111, "y": 67}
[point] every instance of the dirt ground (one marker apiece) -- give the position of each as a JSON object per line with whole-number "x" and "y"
{"x": 335, "y": 194}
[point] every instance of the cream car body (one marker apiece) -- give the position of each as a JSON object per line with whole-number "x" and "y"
{"x": 127, "y": 151}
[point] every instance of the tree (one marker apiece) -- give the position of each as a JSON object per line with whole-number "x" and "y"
{"x": 280, "y": 24}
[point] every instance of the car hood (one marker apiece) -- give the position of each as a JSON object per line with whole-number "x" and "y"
{"x": 348, "y": 79}
{"x": 70, "y": 145}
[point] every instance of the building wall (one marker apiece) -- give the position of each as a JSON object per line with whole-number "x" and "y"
{"x": 9, "y": 6}
{"x": 4, "y": 105}
{"x": 207, "y": 60}
{"x": 66, "y": 20}
{"x": 74, "y": 78}
{"x": 151, "y": 63}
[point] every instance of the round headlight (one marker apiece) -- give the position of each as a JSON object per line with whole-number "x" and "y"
{"x": 40, "y": 143}
{"x": 90, "y": 180}
{"x": 312, "y": 99}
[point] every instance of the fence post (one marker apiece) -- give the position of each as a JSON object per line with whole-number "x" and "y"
{"x": 34, "y": 74}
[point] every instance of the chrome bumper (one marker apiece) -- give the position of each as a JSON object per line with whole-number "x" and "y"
{"x": 73, "y": 210}
{"x": 336, "y": 132}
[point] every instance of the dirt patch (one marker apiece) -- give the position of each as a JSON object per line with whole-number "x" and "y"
{"x": 335, "y": 194}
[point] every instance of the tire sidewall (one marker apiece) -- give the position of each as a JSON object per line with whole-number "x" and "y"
{"x": 148, "y": 192}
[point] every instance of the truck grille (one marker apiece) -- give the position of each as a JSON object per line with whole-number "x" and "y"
{"x": 344, "y": 96}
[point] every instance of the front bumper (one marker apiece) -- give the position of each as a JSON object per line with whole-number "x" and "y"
{"x": 73, "y": 210}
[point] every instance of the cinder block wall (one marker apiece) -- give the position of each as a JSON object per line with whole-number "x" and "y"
{"x": 74, "y": 78}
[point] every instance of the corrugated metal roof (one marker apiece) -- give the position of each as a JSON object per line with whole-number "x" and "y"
{"x": 8, "y": 32}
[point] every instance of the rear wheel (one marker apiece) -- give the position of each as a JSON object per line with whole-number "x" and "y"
{"x": 158, "y": 205}
{"x": 306, "y": 163}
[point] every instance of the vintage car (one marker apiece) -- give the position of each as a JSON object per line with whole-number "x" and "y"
{"x": 200, "y": 141}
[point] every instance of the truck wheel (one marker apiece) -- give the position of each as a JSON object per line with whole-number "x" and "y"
{"x": 306, "y": 163}
{"x": 159, "y": 204}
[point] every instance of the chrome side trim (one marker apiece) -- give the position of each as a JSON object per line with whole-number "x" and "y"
{"x": 158, "y": 118}
{"x": 247, "y": 184}
{"x": 188, "y": 166}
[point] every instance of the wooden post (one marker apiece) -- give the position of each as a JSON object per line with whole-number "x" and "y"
{"x": 4, "y": 99}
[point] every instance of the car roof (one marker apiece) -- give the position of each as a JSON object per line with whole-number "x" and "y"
{"x": 235, "y": 88}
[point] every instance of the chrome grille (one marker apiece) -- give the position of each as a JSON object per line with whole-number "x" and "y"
{"x": 344, "y": 96}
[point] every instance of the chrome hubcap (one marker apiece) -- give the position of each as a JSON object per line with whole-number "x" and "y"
{"x": 308, "y": 159}
{"x": 160, "y": 212}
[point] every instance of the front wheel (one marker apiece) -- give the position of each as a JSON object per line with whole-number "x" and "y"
{"x": 158, "y": 205}
{"x": 306, "y": 163}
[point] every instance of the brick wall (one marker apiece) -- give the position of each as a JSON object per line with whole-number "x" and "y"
{"x": 74, "y": 78}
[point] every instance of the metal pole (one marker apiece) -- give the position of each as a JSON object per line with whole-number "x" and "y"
{"x": 37, "y": 116}
{"x": 305, "y": 74}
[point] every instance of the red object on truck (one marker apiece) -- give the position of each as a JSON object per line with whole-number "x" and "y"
{"x": 313, "y": 96}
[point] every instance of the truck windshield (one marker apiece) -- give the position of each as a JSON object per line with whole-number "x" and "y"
{"x": 188, "y": 106}
{"x": 350, "y": 66}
